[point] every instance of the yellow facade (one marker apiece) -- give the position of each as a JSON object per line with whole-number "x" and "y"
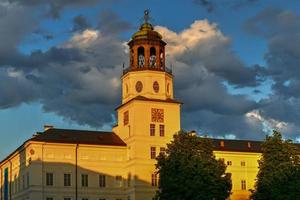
{"x": 147, "y": 119}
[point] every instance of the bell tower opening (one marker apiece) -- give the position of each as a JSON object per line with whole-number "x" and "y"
{"x": 141, "y": 57}
{"x": 152, "y": 57}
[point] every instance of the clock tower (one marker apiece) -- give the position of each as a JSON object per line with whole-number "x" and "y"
{"x": 149, "y": 115}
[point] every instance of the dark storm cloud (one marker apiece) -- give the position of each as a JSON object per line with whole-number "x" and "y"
{"x": 80, "y": 23}
{"x": 214, "y": 124}
{"x": 217, "y": 57}
{"x": 213, "y": 5}
{"x": 78, "y": 80}
{"x": 281, "y": 29}
{"x": 110, "y": 23}
{"x": 56, "y": 6}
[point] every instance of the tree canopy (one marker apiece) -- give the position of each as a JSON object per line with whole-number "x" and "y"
{"x": 189, "y": 170}
{"x": 279, "y": 170}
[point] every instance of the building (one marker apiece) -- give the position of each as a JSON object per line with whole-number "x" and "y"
{"x": 60, "y": 164}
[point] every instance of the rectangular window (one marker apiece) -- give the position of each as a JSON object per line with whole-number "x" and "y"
{"x": 49, "y": 179}
{"x": 154, "y": 180}
{"x": 119, "y": 181}
{"x": 243, "y": 183}
{"x": 243, "y": 163}
{"x": 49, "y": 198}
{"x": 161, "y": 130}
{"x": 84, "y": 199}
{"x": 67, "y": 180}
{"x": 162, "y": 150}
{"x": 102, "y": 180}
{"x": 152, "y": 129}
{"x": 126, "y": 118}
{"x": 67, "y": 198}
{"x": 84, "y": 180}
{"x": 229, "y": 163}
{"x": 152, "y": 152}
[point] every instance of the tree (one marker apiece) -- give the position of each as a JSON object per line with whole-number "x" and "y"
{"x": 279, "y": 170}
{"x": 189, "y": 170}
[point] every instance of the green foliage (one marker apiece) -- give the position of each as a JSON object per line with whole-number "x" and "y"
{"x": 190, "y": 171}
{"x": 279, "y": 170}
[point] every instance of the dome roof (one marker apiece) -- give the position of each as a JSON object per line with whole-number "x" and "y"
{"x": 146, "y": 32}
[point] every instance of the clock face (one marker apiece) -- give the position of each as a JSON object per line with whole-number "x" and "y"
{"x": 156, "y": 86}
{"x": 139, "y": 86}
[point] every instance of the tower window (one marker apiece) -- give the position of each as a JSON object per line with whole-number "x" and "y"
{"x": 243, "y": 163}
{"x": 152, "y": 152}
{"x": 152, "y": 61}
{"x": 141, "y": 57}
{"x": 152, "y": 129}
{"x": 161, "y": 130}
{"x": 126, "y": 118}
{"x": 229, "y": 163}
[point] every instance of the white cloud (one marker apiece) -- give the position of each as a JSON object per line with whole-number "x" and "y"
{"x": 84, "y": 39}
{"x": 269, "y": 124}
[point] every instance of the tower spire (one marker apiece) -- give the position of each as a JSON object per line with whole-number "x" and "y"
{"x": 146, "y": 16}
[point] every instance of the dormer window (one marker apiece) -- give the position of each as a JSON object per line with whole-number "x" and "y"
{"x": 222, "y": 144}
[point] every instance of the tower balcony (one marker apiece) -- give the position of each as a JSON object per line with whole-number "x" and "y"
{"x": 163, "y": 69}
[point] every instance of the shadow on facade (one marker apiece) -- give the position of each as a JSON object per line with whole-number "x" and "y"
{"x": 23, "y": 177}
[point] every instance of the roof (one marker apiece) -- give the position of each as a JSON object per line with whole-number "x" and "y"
{"x": 142, "y": 98}
{"x": 69, "y": 136}
{"x": 147, "y": 31}
{"x": 54, "y": 135}
{"x": 237, "y": 145}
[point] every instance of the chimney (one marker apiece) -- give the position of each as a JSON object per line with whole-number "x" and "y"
{"x": 47, "y": 127}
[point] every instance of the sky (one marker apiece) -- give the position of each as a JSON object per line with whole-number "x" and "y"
{"x": 236, "y": 64}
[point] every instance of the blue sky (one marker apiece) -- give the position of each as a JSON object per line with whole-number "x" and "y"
{"x": 30, "y": 99}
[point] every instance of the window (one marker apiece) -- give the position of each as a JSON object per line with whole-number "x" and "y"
{"x": 126, "y": 118}
{"x": 154, "y": 180}
{"x": 229, "y": 163}
{"x": 49, "y": 179}
{"x": 119, "y": 181}
{"x": 67, "y": 198}
{"x": 243, "y": 163}
{"x": 243, "y": 183}
{"x": 162, "y": 150}
{"x": 84, "y": 180}
{"x": 152, "y": 152}
{"x": 67, "y": 180}
{"x": 49, "y": 198}
{"x": 161, "y": 130}
{"x": 102, "y": 199}
{"x": 84, "y": 199}
{"x": 102, "y": 180}
{"x": 152, "y": 129}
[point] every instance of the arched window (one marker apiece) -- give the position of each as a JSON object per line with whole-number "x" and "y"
{"x": 152, "y": 60}
{"x": 161, "y": 59}
{"x": 141, "y": 57}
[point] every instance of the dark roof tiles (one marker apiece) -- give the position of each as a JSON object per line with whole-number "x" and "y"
{"x": 54, "y": 135}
